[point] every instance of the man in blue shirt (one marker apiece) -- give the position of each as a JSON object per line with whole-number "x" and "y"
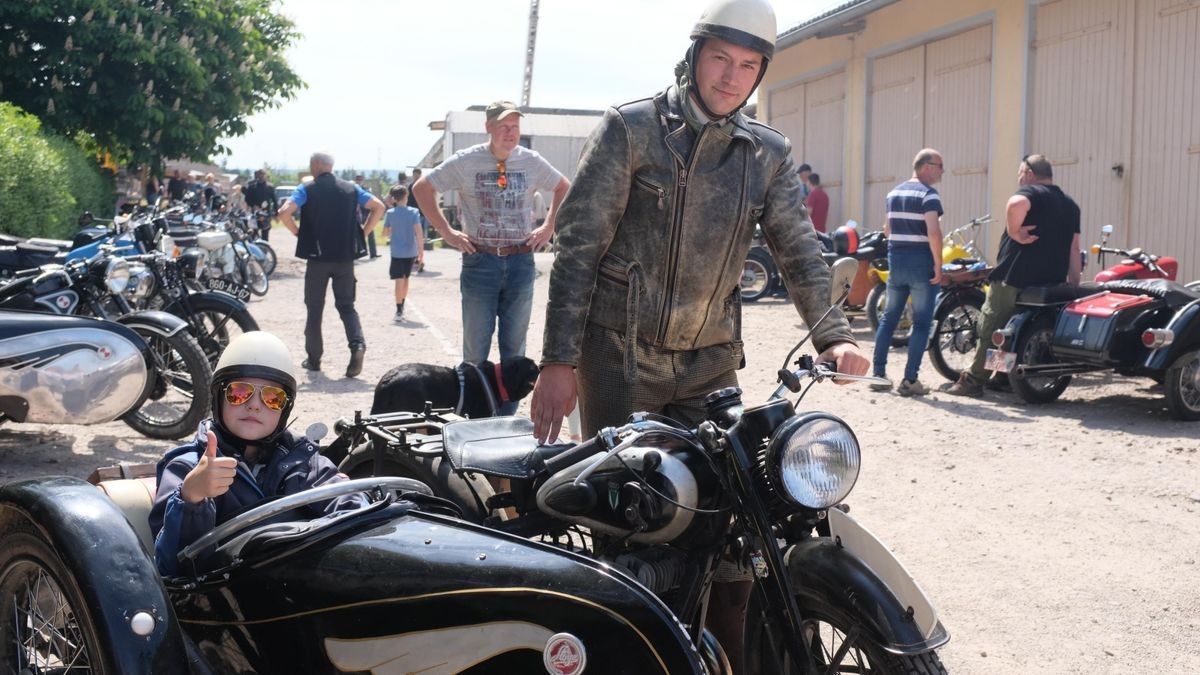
{"x": 914, "y": 265}
{"x": 329, "y": 238}
{"x": 402, "y": 225}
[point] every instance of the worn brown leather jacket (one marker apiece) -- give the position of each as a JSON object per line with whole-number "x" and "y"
{"x": 654, "y": 232}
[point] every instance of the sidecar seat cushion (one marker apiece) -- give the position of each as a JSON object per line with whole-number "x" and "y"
{"x": 135, "y": 497}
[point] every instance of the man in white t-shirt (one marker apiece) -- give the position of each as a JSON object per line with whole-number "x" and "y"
{"x": 495, "y": 182}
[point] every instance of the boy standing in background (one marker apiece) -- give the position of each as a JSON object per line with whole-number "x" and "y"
{"x": 402, "y": 225}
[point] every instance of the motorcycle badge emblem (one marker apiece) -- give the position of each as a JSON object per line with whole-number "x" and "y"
{"x": 63, "y": 302}
{"x": 564, "y": 655}
{"x": 104, "y": 352}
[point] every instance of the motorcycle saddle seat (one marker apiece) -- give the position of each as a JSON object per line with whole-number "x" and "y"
{"x": 1175, "y": 295}
{"x": 1056, "y": 295}
{"x": 498, "y": 446}
{"x": 55, "y": 244}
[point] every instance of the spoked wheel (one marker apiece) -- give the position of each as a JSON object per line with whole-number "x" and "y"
{"x": 877, "y": 306}
{"x": 180, "y": 396}
{"x": 756, "y": 275}
{"x": 270, "y": 260}
{"x": 1182, "y": 386}
{"x": 254, "y": 276}
{"x": 955, "y": 337}
{"x": 1034, "y": 349}
{"x": 45, "y": 627}
{"x": 214, "y": 323}
{"x": 837, "y": 643}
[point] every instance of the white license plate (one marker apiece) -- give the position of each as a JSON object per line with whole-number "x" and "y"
{"x": 1001, "y": 361}
{"x": 227, "y": 286}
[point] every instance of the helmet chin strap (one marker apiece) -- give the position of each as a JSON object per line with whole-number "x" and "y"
{"x": 693, "y": 56}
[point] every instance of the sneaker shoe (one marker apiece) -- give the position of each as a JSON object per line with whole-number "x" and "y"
{"x": 913, "y": 388}
{"x": 356, "y": 360}
{"x": 310, "y": 364}
{"x": 881, "y": 386}
{"x": 420, "y": 267}
{"x": 964, "y": 387}
{"x": 998, "y": 382}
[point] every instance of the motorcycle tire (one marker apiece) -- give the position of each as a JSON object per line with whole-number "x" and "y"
{"x": 253, "y": 276}
{"x": 1033, "y": 348}
{"x": 877, "y": 305}
{"x": 955, "y": 337}
{"x": 213, "y": 324}
{"x": 40, "y": 605}
{"x": 182, "y": 374}
{"x": 758, "y": 275}
{"x": 270, "y": 260}
{"x": 1182, "y": 386}
{"x": 826, "y": 629}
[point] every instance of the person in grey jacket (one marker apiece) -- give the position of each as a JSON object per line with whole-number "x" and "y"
{"x": 644, "y": 311}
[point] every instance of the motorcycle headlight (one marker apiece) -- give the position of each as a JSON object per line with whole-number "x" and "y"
{"x": 813, "y": 460}
{"x": 141, "y": 281}
{"x": 116, "y": 275}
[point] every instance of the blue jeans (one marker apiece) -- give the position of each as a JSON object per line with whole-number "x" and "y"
{"x": 909, "y": 273}
{"x": 496, "y": 288}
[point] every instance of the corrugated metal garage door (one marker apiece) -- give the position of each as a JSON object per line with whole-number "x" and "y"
{"x": 1165, "y": 202}
{"x": 1080, "y": 105}
{"x": 812, "y": 115}
{"x": 935, "y": 95}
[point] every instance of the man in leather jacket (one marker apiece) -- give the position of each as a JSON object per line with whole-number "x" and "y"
{"x": 653, "y": 235}
{"x": 644, "y": 310}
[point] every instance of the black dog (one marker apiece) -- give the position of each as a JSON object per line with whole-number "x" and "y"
{"x": 406, "y": 388}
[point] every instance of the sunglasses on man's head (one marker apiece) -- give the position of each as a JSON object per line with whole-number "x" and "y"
{"x": 238, "y": 393}
{"x": 502, "y": 180}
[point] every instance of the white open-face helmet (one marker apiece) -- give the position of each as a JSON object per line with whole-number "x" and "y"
{"x": 746, "y": 23}
{"x": 254, "y": 354}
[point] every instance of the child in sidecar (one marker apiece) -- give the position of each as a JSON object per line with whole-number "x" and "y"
{"x": 242, "y": 455}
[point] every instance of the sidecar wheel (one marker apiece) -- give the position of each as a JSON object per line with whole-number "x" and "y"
{"x": 1033, "y": 349}
{"x": 756, "y": 275}
{"x": 1182, "y": 386}
{"x": 826, "y": 631}
{"x": 45, "y": 625}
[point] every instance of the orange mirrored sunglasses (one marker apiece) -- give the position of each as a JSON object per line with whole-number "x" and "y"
{"x": 502, "y": 179}
{"x": 238, "y": 393}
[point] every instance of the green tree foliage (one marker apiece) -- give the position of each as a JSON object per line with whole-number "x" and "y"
{"x": 146, "y": 79}
{"x": 46, "y": 181}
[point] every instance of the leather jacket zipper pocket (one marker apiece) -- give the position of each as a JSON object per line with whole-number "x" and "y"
{"x": 647, "y": 185}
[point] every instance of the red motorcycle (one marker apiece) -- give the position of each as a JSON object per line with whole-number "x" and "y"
{"x": 1135, "y": 263}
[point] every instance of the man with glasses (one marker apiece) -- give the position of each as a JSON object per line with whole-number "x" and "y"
{"x": 914, "y": 266}
{"x": 495, "y": 182}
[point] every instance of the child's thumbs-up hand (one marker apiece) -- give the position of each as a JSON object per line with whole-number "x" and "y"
{"x": 211, "y": 477}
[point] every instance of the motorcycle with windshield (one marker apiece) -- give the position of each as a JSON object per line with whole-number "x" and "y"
{"x": 663, "y": 503}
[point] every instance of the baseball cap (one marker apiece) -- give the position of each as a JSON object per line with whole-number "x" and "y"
{"x": 501, "y": 109}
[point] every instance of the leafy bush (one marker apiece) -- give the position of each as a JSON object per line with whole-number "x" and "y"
{"x": 46, "y": 181}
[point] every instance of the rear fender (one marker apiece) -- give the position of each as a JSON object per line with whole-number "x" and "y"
{"x": 830, "y": 573}
{"x": 155, "y": 321}
{"x": 113, "y": 573}
{"x": 1018, "y": 323}
{"x": 1186, "y": 327}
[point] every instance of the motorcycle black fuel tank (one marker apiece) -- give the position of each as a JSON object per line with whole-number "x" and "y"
{"x": 422, "y": 591}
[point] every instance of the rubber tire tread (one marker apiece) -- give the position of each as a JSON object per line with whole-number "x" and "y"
{"x": 763, "y": 258}
{"x": 935, "y": 352}
{"x": 1172, "y": 384}
{"x": 1019, "y": 387}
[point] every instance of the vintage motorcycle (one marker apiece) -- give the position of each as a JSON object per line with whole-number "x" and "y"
{"x": 181, "y": 374}
{"x": 1133, "y": 264}
{"x": 660, "y": 502}
{"x": 69, "y": 369}
{"x": 1137, "y": 327}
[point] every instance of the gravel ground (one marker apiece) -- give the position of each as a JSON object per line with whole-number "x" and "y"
{"x": 1057, "y": 539}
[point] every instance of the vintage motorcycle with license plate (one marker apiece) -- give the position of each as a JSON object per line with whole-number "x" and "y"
{"x": 180, "y": 373}
{"x": 1136, "y": 327}
{"x": 663, "y": 503}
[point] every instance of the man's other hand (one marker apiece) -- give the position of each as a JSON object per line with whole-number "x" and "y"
{"x": 848, "y": 358}
{"x": 459, "y": 240}
{"x": 553, "y": 399}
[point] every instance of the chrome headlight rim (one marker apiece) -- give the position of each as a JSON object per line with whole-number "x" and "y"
{"x": 141, "y": 281}
{"x": 819, "y": 424}
{"x": 116, "y": 275}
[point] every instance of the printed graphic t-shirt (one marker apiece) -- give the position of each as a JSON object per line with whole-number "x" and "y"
{"x": 491, "y": 214}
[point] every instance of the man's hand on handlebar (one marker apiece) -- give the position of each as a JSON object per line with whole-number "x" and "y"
{"x": 847, "y": 357}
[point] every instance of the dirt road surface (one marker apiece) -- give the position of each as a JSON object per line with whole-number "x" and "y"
{"x": 1062, "y": 538}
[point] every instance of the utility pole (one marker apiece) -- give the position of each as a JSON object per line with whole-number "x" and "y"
{"x": 528, "y": 83}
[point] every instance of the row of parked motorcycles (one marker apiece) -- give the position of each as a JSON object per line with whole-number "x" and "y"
{"x": 116, "y": 323}
{"x": 1133, "y": 318}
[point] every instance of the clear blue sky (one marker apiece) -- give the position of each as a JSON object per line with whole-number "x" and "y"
{"x": 379, "y": 71}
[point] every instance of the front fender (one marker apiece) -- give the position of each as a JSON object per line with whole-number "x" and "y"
{"x": 1186, "y": 326}
{"x": 154, "y": 321}
{"x": 207, "y": 300}
{"x": 836, "y": 577}
{"x": 108, "y": 565}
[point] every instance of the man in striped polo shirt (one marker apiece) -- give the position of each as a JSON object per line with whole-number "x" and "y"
{"x": 914, "y": 266}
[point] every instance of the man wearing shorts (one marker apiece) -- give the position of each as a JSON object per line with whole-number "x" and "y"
{"x": 402, "y": 225}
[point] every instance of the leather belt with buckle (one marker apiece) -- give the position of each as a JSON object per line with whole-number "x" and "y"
{"x": 502, "y": 250}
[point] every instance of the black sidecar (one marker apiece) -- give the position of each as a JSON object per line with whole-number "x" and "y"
{"x": 1142, "y": 328}
{"x": 392, "y": 587}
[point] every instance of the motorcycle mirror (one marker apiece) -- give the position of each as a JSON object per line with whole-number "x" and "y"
{"x": 841, "y": 276}
{"x": 1107, "y": 229}
{"x": 316, "y": 431}
{"x": 852, "y": 224}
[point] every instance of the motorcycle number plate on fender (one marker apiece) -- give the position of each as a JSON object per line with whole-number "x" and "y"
{"x": 859, "y": 541}
{"x": 227, "y": 286}
{"x": 1000, "y": 361}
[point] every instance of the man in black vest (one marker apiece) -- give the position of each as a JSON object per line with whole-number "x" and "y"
{"x": 259, "y": 193}
{"x": 330, "y": 239}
